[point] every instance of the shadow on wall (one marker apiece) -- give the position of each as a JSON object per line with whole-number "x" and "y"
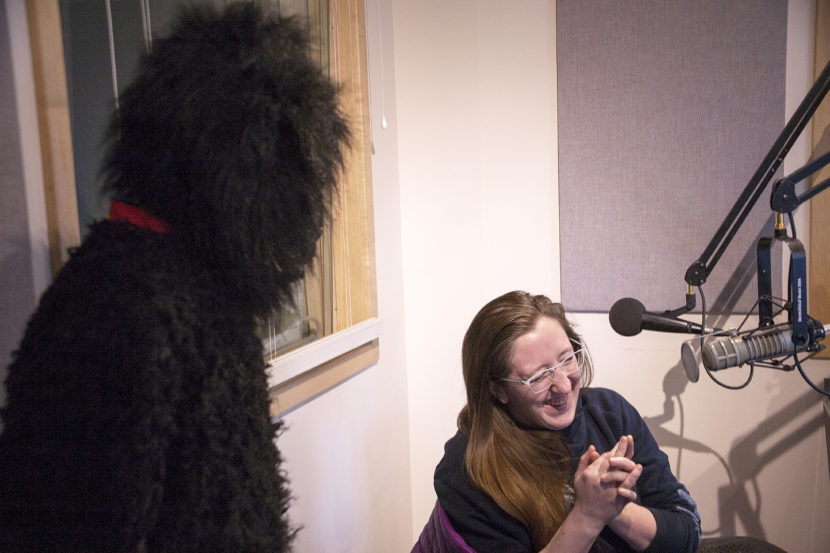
{"x": 745, "y": 460}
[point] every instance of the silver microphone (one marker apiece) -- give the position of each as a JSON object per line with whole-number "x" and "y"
{"x": 733, "y": 351}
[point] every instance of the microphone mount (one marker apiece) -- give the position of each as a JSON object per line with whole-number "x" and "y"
{"x": 784, "y": 198}
{"x": 691, "y": 302}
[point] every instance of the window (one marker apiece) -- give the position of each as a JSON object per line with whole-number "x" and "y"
{"x": 335, "y": 333}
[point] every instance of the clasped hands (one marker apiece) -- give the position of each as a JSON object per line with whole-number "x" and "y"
{"x": 604, "y": 483}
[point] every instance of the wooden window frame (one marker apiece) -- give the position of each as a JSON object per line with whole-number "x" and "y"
{"x": 300, "y": 375}
{"x": 818, "y": 278}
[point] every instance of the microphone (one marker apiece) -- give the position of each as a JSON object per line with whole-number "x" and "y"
{"x": 733, "y": 351}
{"x": 629, "y": 317}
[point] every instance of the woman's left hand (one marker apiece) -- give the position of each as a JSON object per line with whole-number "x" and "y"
{"x": 622, "y": 455}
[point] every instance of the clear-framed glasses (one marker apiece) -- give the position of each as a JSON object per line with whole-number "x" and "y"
{"x": 540, "y": 381}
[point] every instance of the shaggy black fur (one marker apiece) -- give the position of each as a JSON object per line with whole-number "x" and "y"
{"x": 137, "y": 413}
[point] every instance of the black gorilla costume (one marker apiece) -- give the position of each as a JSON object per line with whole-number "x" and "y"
{"x": 137, "y": 416}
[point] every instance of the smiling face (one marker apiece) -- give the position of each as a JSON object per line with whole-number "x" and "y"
{"x": 544, "y": 346}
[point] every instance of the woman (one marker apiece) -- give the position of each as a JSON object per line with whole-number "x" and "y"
{"x": 543, "y": 463}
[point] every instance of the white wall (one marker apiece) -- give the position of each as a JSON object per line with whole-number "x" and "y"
{"x": 475, "y": 88}
{"x": 477, "y": 141}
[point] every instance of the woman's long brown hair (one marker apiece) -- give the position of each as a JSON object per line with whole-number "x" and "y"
{"x": 524, "y": 470}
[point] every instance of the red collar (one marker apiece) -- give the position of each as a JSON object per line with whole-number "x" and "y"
{"x": 120, "y": 211}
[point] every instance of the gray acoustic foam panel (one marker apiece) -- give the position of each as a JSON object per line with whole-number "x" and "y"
{"x": 665, "y": 111}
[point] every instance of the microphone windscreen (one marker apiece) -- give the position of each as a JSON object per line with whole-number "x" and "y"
{"x": 690, "y": 362}
{"x": 626, "y": 316}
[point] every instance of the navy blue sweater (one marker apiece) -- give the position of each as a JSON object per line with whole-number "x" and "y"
{"x": 602, "y": 416}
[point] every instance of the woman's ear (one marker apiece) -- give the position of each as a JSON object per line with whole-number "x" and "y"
{"x": 498, "y": 392}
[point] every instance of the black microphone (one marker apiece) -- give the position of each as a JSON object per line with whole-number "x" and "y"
{"x": 629, "y": 317}
{"x": 733, "y": 351}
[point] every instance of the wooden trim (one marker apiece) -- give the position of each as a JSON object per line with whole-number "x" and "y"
{"x": 291, "y": 364}
{"x": 353, "y": 255}
{"x": 818, "y": 280}
{"x": 292, "y": 393}
{"x": 55, "y": 133}
{"x": 352, "y": 248}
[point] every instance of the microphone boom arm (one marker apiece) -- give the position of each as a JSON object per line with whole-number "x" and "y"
{"x": 699, "y": 271}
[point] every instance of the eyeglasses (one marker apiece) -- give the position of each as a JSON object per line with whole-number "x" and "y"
{"x": 540, "y": 381}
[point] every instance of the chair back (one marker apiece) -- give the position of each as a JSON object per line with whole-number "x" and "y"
{"x": 737, "y": 544}
{"x": 439, "y": 536}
